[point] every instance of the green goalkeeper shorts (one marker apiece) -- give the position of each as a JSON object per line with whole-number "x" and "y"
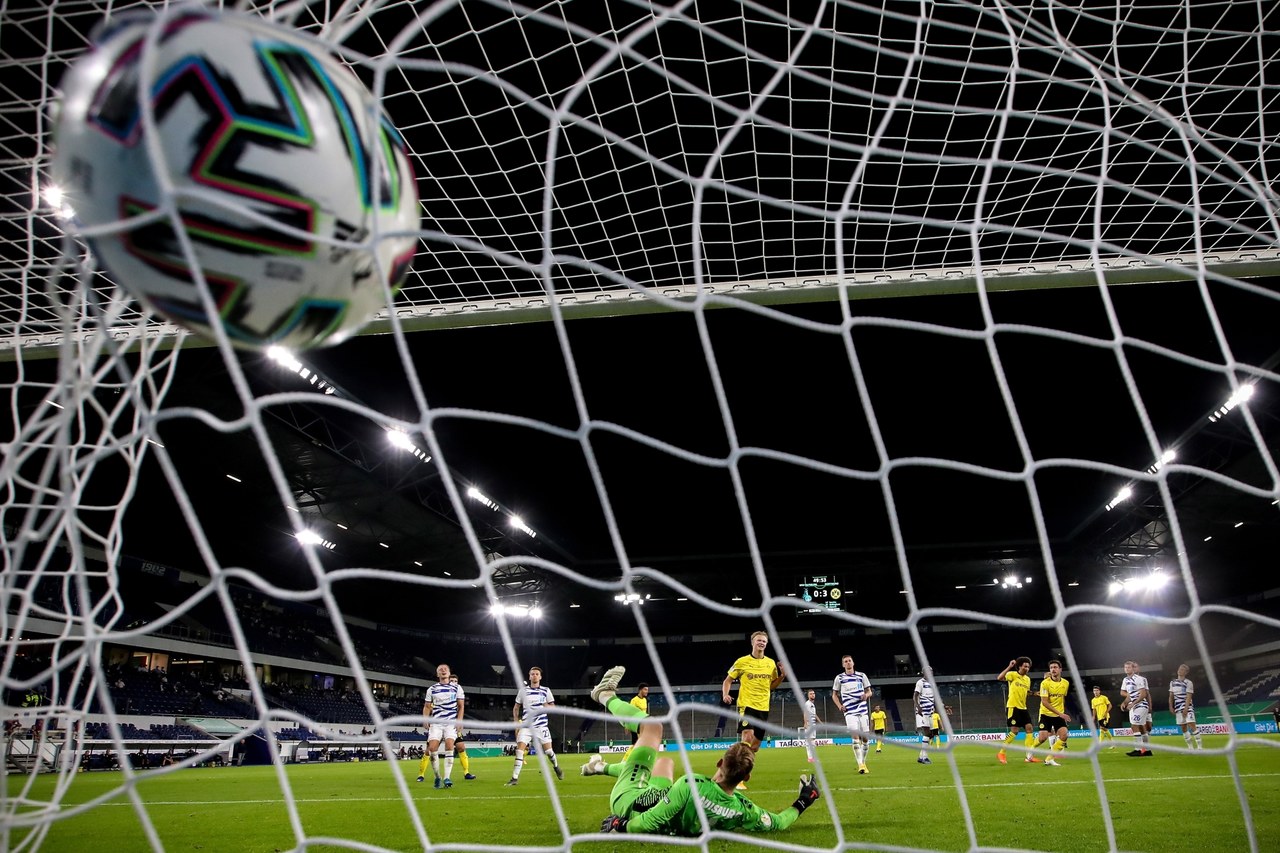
{"x": 636, "y": 790}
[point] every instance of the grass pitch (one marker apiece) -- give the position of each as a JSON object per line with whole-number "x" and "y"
{"x": 1169, "y": 802}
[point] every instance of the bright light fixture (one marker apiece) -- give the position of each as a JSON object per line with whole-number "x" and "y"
{"x": 399, "y": 438}
{"x": 1240, "y": 395}
{"x": 1122, "y": 495}
{"x": 477, "y": 495}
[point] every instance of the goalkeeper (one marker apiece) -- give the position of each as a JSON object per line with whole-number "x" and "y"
{"x": 646, "y": 799}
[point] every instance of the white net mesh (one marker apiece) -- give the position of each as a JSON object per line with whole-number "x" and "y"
{"x": 589, "y": 159}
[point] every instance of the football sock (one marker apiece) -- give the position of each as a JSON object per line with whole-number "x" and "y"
{"x": 625, "y": 709}
{"x": 466, "y": 762}
{"x": 422, "y": 765}
{"x": 435, "y": 771}
{"x": 515, "y": 771}
{"x": 1196, "y": 737}
{"x": 448, "y": 762}
{"x": 551, "y": 756}
{"x": 1186, "y": 736}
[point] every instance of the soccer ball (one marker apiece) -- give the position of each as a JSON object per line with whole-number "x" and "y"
{"x": 270, "y": 178}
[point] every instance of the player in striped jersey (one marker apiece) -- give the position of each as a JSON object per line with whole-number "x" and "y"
{"x": 1137, "y": 701}
{"x": 851, "y": 690}
{"x": 924, "y": 701}
{"x": 531, "y": 720}
{"x": 444, "y": 708}
{"x": 1182, "y": 705}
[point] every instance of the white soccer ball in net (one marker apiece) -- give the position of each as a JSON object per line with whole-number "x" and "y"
{"x": 294, "y": 194}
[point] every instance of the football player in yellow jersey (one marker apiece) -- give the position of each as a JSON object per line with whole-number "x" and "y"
{"x": 879, "y": 722}
{"x": 1101, "y": 706}
{"x": 641, "y": 701}
{"x": 1053, "y": 711}
{"x": 757, "y": 675}
{"x": 1015, "y": 674}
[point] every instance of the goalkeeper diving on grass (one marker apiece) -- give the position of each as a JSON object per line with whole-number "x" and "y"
{"x": 647, "y": 799}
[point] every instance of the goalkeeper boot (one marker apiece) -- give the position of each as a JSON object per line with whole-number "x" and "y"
{"x": 608, "y": 683}
{"x": 594, "y": 767}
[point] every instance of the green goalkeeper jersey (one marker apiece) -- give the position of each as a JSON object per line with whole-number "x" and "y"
{"x": 677, "y": 813}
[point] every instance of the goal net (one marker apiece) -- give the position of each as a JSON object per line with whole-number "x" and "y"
{"x": 966, "y": 307}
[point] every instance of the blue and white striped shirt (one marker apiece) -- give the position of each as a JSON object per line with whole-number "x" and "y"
{"x": 444, "y": 699}
{"x": 533, "y": 699}
{"x": 852, "y": 689}
{"x": 925, "y": 689}
{"x": 1182, "y": 690}
{"x": 1132, "y": 686}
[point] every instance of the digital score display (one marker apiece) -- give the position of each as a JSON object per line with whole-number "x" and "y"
{"x": 821, "y": 592}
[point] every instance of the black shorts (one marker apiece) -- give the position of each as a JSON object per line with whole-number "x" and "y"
{"x": 1019, "y": 718}
{"x": 1051, "y": 723}
{"x": 635, "y": 736}
{"x": 746, "y": 723}
{"x": 1104, "y": 722}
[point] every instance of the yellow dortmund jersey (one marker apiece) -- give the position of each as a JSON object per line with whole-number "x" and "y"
{"x": 1101, "y": 707}
{"x": 754, "y": 677}
{"x": 877, "y": 720}
{"x": 937, "y": 721}
{"x": 641, "y": 703}
{"x": 1019, "y": 686}
{"x": 1053, "y": 697}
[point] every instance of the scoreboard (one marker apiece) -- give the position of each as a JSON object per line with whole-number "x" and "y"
{"x": 821, "y": 592}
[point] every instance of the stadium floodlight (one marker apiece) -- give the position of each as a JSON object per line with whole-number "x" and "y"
{"x": 497, "y": 609}
{"x": 518, "y": 523}
{"x": 1165, "y": 458}
{"x": 1240, "y": 395}
{"x": 1115, "y": 587}
{"x": 310, "y": 537}
{"x": 234, "y": 478}
{"x": 535, "y": 612}
{"x": 629, "y": 598}
{"x": 1239, "y": 524}
{"x": 399, "y": 438}
{"x": 1121, "y": 496}
{"x": 477, "y": 495}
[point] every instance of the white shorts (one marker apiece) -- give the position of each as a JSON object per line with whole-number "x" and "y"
{"x": 1185, "y": 716}
{"x": 924, "y": 721}
{"x": 1138, "y": 716}
{"x": 526, "y": 735}
{"x": 860, "y": 723}
{"x": 442, "y": 732}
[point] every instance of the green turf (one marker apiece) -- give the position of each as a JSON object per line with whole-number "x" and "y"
{"x": 1170, "y": 802}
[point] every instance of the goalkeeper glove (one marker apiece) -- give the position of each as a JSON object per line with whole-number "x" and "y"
{"x": 613, "y": 823}
{"x": 808, "y": 794}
